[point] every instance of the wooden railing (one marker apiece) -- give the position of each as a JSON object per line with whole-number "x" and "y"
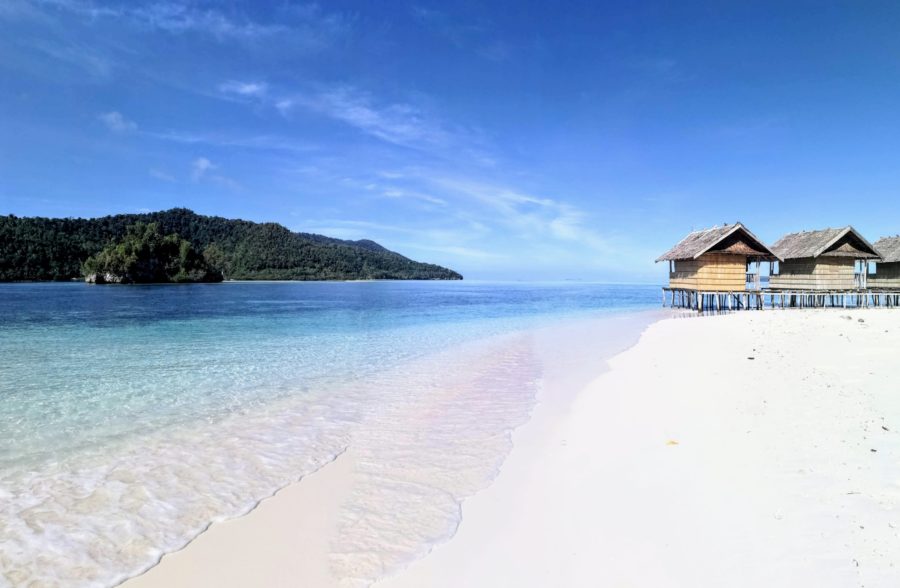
{"x": 752, "y": 281}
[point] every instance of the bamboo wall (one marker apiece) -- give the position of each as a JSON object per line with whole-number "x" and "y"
{"x": 887, "y": 275}
{"x": 711, "y": 272}
{"x": 822, "y": 273}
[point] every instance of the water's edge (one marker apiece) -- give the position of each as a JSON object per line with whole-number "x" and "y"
{"x": 138, "y": 418}
{"x": 539, "y": 407}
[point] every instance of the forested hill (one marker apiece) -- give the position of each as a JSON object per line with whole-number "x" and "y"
{"x": 55, "y": 249}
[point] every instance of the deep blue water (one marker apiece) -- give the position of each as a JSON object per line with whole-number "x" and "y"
{"x": 337, "y": 305}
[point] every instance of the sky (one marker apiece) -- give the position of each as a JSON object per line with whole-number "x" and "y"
{"x": 506, "y": 140}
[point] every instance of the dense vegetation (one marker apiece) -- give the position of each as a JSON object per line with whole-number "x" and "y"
{"x": 144, "y": 255}
{"x": 55, "y": 249}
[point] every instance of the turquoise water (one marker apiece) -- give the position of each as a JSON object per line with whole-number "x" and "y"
{"x": 132, "y": 417}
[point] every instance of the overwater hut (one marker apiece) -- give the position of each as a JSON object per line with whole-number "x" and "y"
{"x": 720, "y": 259}
{"x": 828, "y": 259}
{"x": 887, "y": 273}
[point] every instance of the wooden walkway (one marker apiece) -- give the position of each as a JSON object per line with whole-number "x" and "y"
{"x": 711, "y": 301}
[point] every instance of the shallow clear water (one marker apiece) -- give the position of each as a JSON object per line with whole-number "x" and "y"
{"x": 132, "y": 417}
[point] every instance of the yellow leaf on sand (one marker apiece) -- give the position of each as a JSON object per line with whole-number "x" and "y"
{"x": 671, "y": 442}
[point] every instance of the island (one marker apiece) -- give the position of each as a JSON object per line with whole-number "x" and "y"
{"x": 145, "y": 256}
{"x": 52, "y": 249}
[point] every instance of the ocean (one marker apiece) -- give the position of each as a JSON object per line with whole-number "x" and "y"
{"x": 132, "y": 417}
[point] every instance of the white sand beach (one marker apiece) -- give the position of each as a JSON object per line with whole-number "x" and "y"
{"x": 751, "y": 449}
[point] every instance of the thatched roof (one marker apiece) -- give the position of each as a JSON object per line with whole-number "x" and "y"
{"x": 889, "y": 248}
{"x": 843, "y": 242}
{"x": 734, "y": 238}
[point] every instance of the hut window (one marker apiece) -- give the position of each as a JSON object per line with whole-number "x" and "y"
{"x": 873, "y": 268}
{"x": 775, "y": 268}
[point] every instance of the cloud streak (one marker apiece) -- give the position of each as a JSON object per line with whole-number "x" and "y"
{"x": 399, "y": 123}
{"x": 199, "y": 168}
{"x": 202, "y": 169}
{"x": 117, "y": 123}
{"x": 256, "y": 142}
{"x": 528, "y": 214}
{"x": 246, "y": 89}
{"x": 162, "y": 175}
{"x": 76, "y": 55}
{"x": 305, "y": 24}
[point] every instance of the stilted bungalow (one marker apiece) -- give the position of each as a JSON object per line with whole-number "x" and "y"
{"x": 887, "y": 273}
{"x": 709, "y": 267}
{"x": 832, "y": 260}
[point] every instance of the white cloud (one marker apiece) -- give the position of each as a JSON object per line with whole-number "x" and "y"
{"x": 75, "y": 55}
{"x": 413, "y": 195}
{"x": 161, "y": 175}
{"x": 304, "y": 25}
{"x": 117, "y": 123}
{"x": 172, "y": 17}
{"x": 455, "y": 250}
{"x": 225, "y": 181}
{"x": 200, "y": 167}
{"x": 265, "y": 142}
{"x": 528, "y": 214}
{"x": 477, "y": 35}
{"x": 284, "y": 106}
{"x": 175, "y": 17}
{"x": 247, "y": 89}
{"x": 398, "y": 123}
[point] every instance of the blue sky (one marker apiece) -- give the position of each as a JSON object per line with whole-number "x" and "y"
{"x": 508, "y": 140}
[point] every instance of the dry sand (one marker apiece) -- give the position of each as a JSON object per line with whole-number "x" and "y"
{"x": 751, "y": 449}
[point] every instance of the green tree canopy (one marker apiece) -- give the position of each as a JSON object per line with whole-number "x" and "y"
{"x": 144, "y": 255}
{"x": 56, "y": 249}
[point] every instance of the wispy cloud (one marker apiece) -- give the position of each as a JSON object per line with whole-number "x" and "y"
{"x": 457, "y": 251}
{"x": 306, "y": 24}
{"x": 284, "y": 106}
{"x": 413, "y": 195}
{"x": 19, "y": 9}
{"x": 246, "y": 89}
{"x": 477, "y": 35}
{"x": 175, "y": 17}
{"x": 481, "y": 222}
{"x": 116, "y": 122}
{"x": 202, "y": 169}
{"x": 406, "y": 124}
{"x": 398, "y": 123}
{"x": 263, "y": 142}
{"x": 529, "y": 214}
{"x": 162, "y": 175}
{"x": 76, "y": 55}
{"x": 357, "y": 229}
{"x": 663, "y": 69}
{"x": 199, "y": 167}
{"x": 172, "y": 17}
